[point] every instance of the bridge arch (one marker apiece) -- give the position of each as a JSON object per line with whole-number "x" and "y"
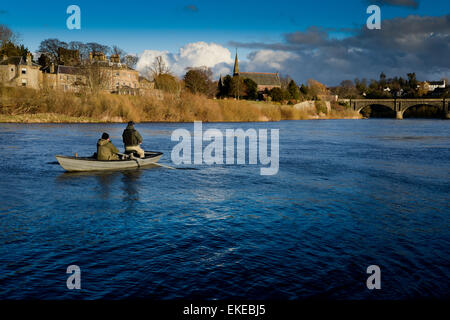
{"x": 360, "y": 107}
{"x": 378, "y": 110}
{"x": 431, "y": 106}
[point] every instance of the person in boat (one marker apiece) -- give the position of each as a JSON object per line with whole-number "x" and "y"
{"x": 132, "y": 140}
{"x": 105, "y": 149}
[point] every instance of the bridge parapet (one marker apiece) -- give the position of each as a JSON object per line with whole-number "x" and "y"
{"x": 398, "y": 105}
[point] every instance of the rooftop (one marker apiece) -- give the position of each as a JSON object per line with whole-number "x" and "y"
{"x": 437, "y": 83}
{"x": 16, "y": 61}
{"x": 261, "y": 78}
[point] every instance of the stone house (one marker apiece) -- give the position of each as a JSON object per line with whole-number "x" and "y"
{"x": 73, "y": 74}
{"x": 122, "y": 79}
{"x": 65, "y": 78}
{"x": 20, "y": 72}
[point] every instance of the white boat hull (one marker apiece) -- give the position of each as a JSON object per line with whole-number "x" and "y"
{"x": 75, "y": 164}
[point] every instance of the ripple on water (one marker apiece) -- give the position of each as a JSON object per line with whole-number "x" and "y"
{"x": 347, "y": 196}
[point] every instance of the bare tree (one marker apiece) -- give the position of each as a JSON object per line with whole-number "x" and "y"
{"x": 130, "y": 61}
{"x": 49, "y": 47}
{"x": 97, "y": 47}
{"x": 81, "y": 47}
{"x": 285, "y": 81}
{"x": 118, "y": 51}
{"x": 7, "y": 35}
{"x": 159, "y": 67}
{"x": 97, "y": 77}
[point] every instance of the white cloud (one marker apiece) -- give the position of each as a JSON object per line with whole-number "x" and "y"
{"x": 220, "y": 60}
{"x": 147, "y": 58}
{"x": 196, "y": 54}
{"x": 270, "y": 61}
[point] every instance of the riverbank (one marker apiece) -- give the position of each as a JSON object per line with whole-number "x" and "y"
{"x": 22, "y": 105}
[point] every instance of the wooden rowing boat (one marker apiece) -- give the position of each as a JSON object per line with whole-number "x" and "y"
{"x": 80, "y": 164}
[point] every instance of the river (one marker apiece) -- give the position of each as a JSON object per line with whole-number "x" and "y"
{"x": 348, "y": 194}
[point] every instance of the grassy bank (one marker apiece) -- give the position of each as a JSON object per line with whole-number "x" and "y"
{"x": 48, "y": 106}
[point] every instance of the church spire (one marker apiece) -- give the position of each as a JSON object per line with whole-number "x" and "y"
{"x": 236, "y": 65}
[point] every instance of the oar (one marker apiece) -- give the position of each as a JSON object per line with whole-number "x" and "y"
{"x": 164, "y": 166}
{"x": 158, "y": 164}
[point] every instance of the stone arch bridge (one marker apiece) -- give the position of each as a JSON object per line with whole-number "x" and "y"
{"x": 399, "y": 106}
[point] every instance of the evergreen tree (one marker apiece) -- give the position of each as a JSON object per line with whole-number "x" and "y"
{"x": 304, "y": 89}
{"x": 294, "y": 92}
{"x": 251, "y": 89}
{"x": 277, "y": 94}
{"x": 237, "y": 88}
{"x": 225, "y": 88}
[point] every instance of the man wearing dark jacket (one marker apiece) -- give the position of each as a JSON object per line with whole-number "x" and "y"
{"x": 105, "y": 149}
{"x": 132, "y": 140}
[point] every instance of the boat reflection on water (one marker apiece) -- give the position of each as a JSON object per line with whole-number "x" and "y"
{"x": 105, "y": 182}
{"x": 131, "y": 184}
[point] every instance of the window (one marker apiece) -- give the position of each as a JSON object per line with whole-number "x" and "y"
{"x": 12, "y": 69}
{"x": 24, "y": 82}
{"x": 24, "y": 70}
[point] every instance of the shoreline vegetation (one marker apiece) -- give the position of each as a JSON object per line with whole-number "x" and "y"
{"x": 78, "y": 82}
{"x": 24, "y": 105}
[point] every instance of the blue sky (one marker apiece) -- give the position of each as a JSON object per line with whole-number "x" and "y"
{"x": 138, "y": 25}
{"x": 168, "y": 25}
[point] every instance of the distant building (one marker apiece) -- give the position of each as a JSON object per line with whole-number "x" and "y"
{"x": 115, "y": 77}
{"x": 72, "y": 74}
{"x": 433, "y": 85}
{"x": 20, "y": 72}
{"x": 430, "y": 86}
{"x": 123, "y": 80}
{"x": 263, "y": 80}
{"x": 69, "y": 57}
{"x": 65, "y": 78}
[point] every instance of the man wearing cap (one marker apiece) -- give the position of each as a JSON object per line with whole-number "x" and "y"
{"x": 132, "y": 140}
{"x": 105, "y": 149}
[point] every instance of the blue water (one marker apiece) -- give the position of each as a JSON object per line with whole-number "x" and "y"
{"x": 349, "y": 194}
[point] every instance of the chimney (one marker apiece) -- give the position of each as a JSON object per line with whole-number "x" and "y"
{"x": 115, "y": 58}
{"x": 29, "y": 61}
{"x": 52, "y": 68}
